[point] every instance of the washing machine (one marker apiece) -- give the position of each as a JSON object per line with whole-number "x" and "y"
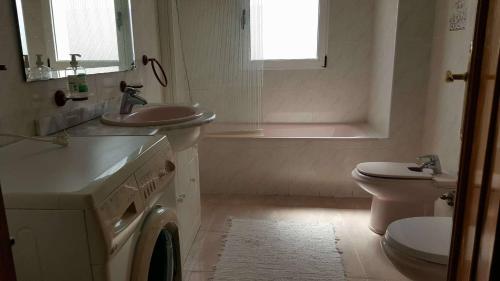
{"x": 92, "y": 211}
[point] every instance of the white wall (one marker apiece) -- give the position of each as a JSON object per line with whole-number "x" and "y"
{"x": 444, "y": 106}
{"x": 411, "y": 71}
{"x": 341, "y": 93}
{"x": 383, "y": 54}
{"x": 323, "y": 167}
{"x": 338, "y": 94}
{"x": 21, "y": 103}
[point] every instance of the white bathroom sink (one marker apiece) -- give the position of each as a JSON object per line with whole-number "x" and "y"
{"x": 180, "y": 123}
{"x": 153, "y": 116}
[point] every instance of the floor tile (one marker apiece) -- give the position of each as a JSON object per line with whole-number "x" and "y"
{"x": 205, "y": 251}
{"x": 363, "y": 256}
{"x": 200, "y": 276}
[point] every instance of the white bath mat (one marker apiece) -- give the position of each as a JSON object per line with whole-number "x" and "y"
{"x": 279, "y": 251}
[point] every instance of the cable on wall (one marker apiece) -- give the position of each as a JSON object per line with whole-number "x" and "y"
{"x": 61, "y": 139}
{"x": 182, "y": 52}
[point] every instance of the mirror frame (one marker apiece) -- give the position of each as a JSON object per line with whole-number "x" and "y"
{"x": 132, "y": 67}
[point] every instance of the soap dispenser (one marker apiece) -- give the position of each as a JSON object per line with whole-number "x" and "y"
{"x": 41, "y": 72}
{"x": 77, "y": 78}
{"x": 27, "y": 69}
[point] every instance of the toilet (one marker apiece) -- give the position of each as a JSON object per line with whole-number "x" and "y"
{"x": 419, "y": 247}
{"x": 400, "y": 191}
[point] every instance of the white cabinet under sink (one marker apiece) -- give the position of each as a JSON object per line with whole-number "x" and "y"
{"x": 187, "y": 189}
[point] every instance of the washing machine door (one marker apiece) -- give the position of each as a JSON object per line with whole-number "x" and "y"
{"x": 157, "y": 252}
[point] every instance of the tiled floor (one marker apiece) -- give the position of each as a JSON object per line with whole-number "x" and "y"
{"x": 363, "y": 256}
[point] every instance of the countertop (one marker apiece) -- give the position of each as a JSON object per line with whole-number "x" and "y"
{"x": 46, "y": 176}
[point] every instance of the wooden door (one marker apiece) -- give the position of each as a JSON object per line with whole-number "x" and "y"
{"x": 475, "y": 232}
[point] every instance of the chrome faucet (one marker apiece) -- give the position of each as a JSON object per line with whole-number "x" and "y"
{"x": 130, "y": 98}
{"x": 430, "y": 162}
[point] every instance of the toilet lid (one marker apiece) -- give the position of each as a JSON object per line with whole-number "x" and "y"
{"x": 425, "y": 238}
{"x": 392, "y": 170}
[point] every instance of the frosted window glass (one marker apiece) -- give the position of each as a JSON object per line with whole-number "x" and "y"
{"x": 86, "y": 27}
{"x": 289, "y": 30}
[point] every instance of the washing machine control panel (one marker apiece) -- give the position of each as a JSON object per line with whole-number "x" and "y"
{"x": 153, "y": 178}
{"x": 125, "y": 208}
{"x": 122, "y": 206}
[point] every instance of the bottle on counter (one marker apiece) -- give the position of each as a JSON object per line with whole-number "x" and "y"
{"x": 27, "y": 69}
{"x": 42, "y": 71}
{"x": 77, "y": 78}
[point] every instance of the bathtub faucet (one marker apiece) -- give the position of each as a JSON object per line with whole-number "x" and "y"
{"x": 430, "y": 162}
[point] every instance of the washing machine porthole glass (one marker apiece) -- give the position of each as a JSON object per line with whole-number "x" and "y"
{"x": 162, "y": 264}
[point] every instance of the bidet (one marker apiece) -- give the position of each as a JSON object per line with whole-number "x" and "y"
{"x": 401, "y": 190}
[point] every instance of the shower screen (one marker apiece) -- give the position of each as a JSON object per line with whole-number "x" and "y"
{"x": 218, "y": 46}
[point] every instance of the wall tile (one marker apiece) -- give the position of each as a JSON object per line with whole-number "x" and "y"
{"x": 338, "y": 94}
{"x": 444, "y": 103}
{"x": 323, "y": 167}
{"x": 21, "y": 103}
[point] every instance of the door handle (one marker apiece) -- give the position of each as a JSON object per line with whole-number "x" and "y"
{"x": 452, "y": 77}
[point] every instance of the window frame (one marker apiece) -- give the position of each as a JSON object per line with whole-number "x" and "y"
{"x": 298, "y": 64}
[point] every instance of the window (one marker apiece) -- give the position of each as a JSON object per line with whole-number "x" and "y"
{"x": 289, "y": 34}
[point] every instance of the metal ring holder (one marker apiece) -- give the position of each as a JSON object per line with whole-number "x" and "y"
{"x": 154, "y": 62}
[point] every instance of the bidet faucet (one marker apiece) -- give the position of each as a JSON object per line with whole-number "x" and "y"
{"x": 430, "y": 162}
{"x": 130, "y": 98}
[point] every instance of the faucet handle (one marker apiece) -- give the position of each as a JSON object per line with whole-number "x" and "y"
{"x": 428, "y": 158}
{"x": 430, "y": 161}
{"x": 124, "y": 86}
{"x": 135, "y": 86}
{"x": 132, "y": 90}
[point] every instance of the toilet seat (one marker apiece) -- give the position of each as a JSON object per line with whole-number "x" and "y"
{"x": 423, "y": 238}
{"x": 393, "y": 170}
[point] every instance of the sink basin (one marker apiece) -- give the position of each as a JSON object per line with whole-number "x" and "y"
{"x": 180, "y": 123}
{"x": 153, "y": 116}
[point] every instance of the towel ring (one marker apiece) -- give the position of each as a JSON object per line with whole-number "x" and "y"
{"x": 154, "y": 62}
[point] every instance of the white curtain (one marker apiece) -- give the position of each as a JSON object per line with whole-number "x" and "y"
{"x": 217, "y": 45}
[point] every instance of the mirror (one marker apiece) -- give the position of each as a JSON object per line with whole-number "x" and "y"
{"x": 98, "y": 32}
